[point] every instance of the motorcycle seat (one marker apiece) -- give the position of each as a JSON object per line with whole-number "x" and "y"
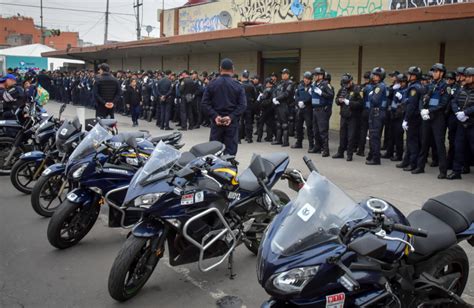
{"x": 203, "y": 149}
{"x": 440, "y": 234}
{"x": 455, "y": 208}
{"x": 248, "y": 181}
{"x": 159, "y": 138}
{"x": 108, "y": 122}
{"x": 10, "y": 123}
{"x": 186, "y": 157}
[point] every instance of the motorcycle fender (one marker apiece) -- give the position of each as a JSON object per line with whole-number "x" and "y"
{"x": 33, "y": 156}
{"x": 81, "y": 196}
{"x": 54, "y": 169}
{"x": 148, "y": 228}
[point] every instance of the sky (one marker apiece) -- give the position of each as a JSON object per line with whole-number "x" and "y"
{"x": 91, "y": 25}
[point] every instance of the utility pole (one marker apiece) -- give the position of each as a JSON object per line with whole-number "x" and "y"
{"x": 41, "y": 17}
{"x": 137, "y": 6}
{"x": 106, "y": 32}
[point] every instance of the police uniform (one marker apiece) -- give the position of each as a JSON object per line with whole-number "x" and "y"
{"x": 378, "y": 108}
{"x": 282, "y": 95}
{"x": 246, "y": 124}
{"x": 187, "y": 92}
{"x": 225, "y": 97}
{"x": 351, "y": 104}
{"x": 434, "y": 124}
{"x": 396, "y": 109}
{"x": 364, "y": 118}
{"x": 304, "y": 114}
{"x": 267, "y": 115}
{"x": 196, "y": 105}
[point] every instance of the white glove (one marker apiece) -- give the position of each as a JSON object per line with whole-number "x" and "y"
{"x": 259, "y": 97}
{"x": 405, "y": 125}
{"x": 276, "y": 102}
{"x": 7, "y": 97}
{"x": 176, "y": 101}
{"x": 399, "y": 95}
{"x": 371, "y": 92}
{"x": 152, "y": 98}
{"x": 318, "y": 91}
{"x": 310, "y": 90}
{"x": 301, "y": 104}
{"x": 461, "y": 116}
{"x": 396, "y": 86}
{"x": 424, "y": 112}
{"x": 346, "y": 101}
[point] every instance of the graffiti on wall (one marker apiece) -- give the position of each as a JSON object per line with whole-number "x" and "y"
{"x": 197, "y": 20}
{"x": 271, "y": 10}
{"x": 405, "y": 4}
{"x": 336, "y": 8}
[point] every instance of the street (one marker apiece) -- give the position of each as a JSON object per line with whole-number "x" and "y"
{"x": 34, "y": 274}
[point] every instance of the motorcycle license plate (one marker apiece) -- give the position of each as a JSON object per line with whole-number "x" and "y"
{"x": 46, "y": 171}
{"x": 335, "y": 300}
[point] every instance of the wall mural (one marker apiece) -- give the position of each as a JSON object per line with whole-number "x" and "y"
{"x": 227, "y": 14}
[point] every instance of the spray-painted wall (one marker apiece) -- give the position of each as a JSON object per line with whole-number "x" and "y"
{"x": 228, "y": 13}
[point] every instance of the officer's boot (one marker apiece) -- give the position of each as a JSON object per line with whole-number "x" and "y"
{"x": 291, "y": 127}
{"x": 278, "y": 136}
{"x": 298, "y": 144}
{"x": 286, "y": 141}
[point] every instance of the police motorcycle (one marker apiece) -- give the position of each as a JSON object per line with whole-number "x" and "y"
{"x": 28, "y": 168}
{"x": 31, "y": 117}
{"x": 202, "y": 211}
{"x": 98, "y": 170}
{"x": 326, "y": 250}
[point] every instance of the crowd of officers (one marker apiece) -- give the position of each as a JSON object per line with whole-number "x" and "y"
{"x": 412, "y": 114}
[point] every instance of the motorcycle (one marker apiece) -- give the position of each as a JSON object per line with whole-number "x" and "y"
{"x": 326, "y": 250}
{"x": 203, "y": 211}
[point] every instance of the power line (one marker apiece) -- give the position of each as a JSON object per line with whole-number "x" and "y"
{"x": 93, "y": 26}
{"x": 64, "y": 9}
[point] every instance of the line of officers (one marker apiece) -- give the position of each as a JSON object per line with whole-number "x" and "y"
{"x": 424, "y": 106}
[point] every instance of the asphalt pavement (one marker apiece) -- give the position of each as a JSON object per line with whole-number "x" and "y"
{"x": 34, "y": 274}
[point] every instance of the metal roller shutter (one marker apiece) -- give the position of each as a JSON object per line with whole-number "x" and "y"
{"x": 132, "y": 64}
{"x": 175, "y": 63}
{"x": 151, "y": 63}
{"x": 459, "y": 54}
{"x": 115, "y": 64}
{"x": 204, "y": 62}
{"x": 243, "y": 61}
{"x": 335, "y": 60}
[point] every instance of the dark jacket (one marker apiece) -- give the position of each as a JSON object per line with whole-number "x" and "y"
{"x": 355, "y": 101}
{"x": 106, "y": 89}
{"x": 132, "y": 96}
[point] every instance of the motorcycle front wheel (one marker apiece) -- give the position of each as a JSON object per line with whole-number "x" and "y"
{"x": 255, "y": 237}
{"x": 47, "y": 195}
{"x": 70, "y": 223}
{"x": 6, "y": 144}
{"x": 24, "y": 175}
{"x": 133, "y": 267}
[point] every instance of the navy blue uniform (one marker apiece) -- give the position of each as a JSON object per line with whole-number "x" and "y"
{"x": 412, "y": 117}
{"x": 322, "y": 110}
{"x": 364, "y": 119}
{"x": 378, "y": 108}
{"x": 304, "y": 114}
{"x": 246, "y": 125}
{"x": 225, "y": 97}
{"x": 397, "y": 109}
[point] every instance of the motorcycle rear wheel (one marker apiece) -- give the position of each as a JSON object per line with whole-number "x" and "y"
{"x": 132, "y": 268}
{"x": 255, "y": 243}
{"x": 70, "y": 223}
{"x": 46, "y": 193}
{"x": 23, "y": 177}
{"x": 6, "y": 144}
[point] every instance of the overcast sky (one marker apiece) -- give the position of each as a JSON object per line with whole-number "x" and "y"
{"x": 91, "y": 25}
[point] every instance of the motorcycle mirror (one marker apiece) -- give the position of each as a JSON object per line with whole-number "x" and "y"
{"x": 258, "y": 168}
{"x": 61, "y": 110}
{"x": 368, "y": 245}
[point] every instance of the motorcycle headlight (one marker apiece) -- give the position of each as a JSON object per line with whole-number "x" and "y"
{"x": 293, "y": 281}
{"x": 79, "y": 171}
{"x": 146, "y": 201}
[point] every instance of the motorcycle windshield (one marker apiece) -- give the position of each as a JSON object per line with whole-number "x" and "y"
{"x": 91, "y": 143}
{"x": 316, "y": 216}
{"x": 161, "y": 160}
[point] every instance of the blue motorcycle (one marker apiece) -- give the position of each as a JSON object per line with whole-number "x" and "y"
{"x": 326, "y": 250}
{"x": 202, "y": 211}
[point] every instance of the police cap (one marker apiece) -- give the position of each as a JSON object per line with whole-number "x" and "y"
{"x": 227, "y": 64}
{"x": 245, "y": 74}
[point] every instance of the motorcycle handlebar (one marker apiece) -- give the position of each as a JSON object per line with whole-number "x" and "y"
{"x": 410, "y": 230}
{"x": 309, "y": 164}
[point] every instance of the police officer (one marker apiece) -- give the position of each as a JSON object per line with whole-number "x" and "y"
{"x": 463, "y": 106}
{"x": 451, "y": 121}
{"x": 397, "y": 109}
{"x": 378, "y": 108}
{"x": 322, "y": 95}
{"x": 196, "y": 106}
{"x": 11, "y": 96}
{"x": 411, "y": 119}
{"x": 434, "y": 122}
{"x": 187, "y": 91}
{"x": 349, "y": 99}
{"x": 366, "y": 88}
{"x": 224, "y": 101}
{"x": 267, "y": 116}
{"x": 282, "y": 95}
{"x": 106, "y": 92}
{"x": 305, "y": 111}
{"x": 246, "y": 124}
{"x": 387, "y": 134}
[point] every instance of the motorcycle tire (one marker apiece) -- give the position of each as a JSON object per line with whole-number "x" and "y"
{"x": 26, "y": 170}
{"x": 69, "y": 215}
{"x": 45, "y": 182}
{"x": 6, "y": 144}
{"x": 132, "y": 268}
{"x": 447, "y": 262}
{"x": 254, "y": 244}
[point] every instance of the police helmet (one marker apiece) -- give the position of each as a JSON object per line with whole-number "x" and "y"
{"x": 327, "y": 76}
{"x": 319, "y": 71}
{"x": 439, "y": 67}
{"x": 307, "y": 75}
{"x": 367, "y": 75}
{"x": 460, "y": 70}
{"x": 268, "y": 80}
{"x": 415, "y": 70}
{"x": 346, "y": 78}
{"x": 394, "y": 73}
{"x": 469, "y": 71}
{"x": 245, "y": 74}
{"x": 451, "y": 75}
{"x": 285, "y": 71}
{"x": 402, "y": 78}
{"x": 379, "y": 71}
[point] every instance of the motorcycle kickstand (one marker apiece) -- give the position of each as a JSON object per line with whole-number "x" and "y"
{"x": 230, "y": 266}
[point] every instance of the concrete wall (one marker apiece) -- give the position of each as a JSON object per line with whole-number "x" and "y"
{"x": 175, "y": 63}
{"x": 204, "y": 62}
{"x": 151, "y": 63}
{"x": 459, "y": 54}
{"x": 246, "y": 60}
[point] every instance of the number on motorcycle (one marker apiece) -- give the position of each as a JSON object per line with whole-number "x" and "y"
{"x": 306, "y": 212}
{"x": 335, "y": 300}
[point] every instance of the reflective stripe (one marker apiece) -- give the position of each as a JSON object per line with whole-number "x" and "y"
{"x": 434, "y": 102}
{"x": 384, "y": 104}
{"x": 315, "y": 102}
